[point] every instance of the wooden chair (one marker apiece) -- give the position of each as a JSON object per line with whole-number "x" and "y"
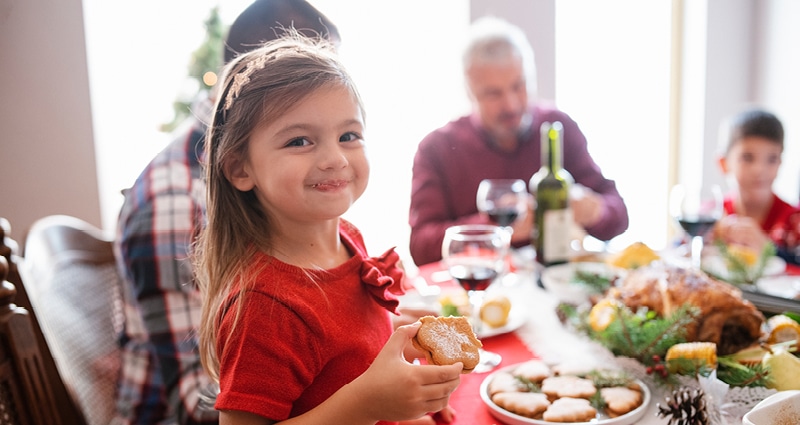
{"x": 31, "y": 389}
{"x": 73, "y": 284}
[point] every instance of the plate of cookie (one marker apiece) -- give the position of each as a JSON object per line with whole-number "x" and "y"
{"x": 536, "y": 393}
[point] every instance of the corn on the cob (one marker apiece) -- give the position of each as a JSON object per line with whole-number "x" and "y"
{"x": 635, "y": 255}
{"x": 698, "y": 354}
{"x": 782, "y": 328}
{"x": 746, "y": 255}
{"x": 603, "y": 313}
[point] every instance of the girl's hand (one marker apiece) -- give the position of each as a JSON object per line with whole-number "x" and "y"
{"x": 393, "y": 389}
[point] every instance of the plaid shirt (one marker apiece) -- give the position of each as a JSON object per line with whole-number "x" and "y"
{"x": 162, "y": 380}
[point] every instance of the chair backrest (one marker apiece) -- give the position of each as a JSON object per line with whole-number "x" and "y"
{"x": 75, "y": 289}
{"x": 31, "y": 390}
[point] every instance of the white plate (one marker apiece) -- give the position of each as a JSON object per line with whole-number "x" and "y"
{"x": 780, "y": 286}
{"x": 715, "y": 265}
{"x": 559, "y": 280}
{"x": 515, "y": 319}
{"x": 777, "y": 409}
{"x": 513, "y": 419}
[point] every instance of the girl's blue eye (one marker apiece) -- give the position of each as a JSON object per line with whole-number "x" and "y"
{"x": 349, "y": 137}
{"x": 300, "y": 141}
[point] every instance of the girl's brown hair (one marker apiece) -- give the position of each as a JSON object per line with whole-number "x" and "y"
{"x": 259, "y": 86}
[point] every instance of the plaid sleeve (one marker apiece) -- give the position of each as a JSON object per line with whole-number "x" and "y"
{"x": 162, "y": 378}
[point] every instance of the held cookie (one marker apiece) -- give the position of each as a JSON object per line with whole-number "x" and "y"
{"x": 447, "y": 340}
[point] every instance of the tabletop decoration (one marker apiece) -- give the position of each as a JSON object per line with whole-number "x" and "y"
{"x": 684, "y": 407}
{"x": 698, "y": 383}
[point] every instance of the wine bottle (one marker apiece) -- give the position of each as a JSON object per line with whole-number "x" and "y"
{"x": 550, "y": 187}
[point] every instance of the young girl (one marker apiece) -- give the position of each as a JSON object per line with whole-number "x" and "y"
{"x": 295, "y": 322}
{"x": 755, "y": 215}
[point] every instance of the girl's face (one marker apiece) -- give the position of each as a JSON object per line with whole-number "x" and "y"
{"x": 753, "y": 162}
{"x": 310, "y": 163}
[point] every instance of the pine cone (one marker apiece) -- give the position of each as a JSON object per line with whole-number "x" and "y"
{"x": 687, "y": 406}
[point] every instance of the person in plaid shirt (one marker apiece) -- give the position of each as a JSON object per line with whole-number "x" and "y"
{"x": 162, "y": 380}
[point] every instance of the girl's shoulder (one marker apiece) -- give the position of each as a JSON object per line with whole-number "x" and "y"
{"x": 352, "y": 235}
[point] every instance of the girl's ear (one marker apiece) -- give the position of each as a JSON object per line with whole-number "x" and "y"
{"x": 236, "y": 172}
{"x": 723, "y": 164}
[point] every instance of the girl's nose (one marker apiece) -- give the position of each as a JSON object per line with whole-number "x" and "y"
{"x": 332, "y": 156}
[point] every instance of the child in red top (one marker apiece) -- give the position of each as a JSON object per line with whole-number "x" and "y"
{"x": 296, "y": 324}
{"x": 755, "y": 215}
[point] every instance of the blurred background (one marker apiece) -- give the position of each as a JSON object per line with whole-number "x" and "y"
{"x": 89, "y": 89}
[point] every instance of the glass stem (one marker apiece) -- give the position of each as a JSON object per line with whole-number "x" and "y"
{"x": 476, "y": 300}
{"x": 697, "y": 251}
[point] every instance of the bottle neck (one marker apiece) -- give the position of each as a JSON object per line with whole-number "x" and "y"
{"x": 551, "y": 146}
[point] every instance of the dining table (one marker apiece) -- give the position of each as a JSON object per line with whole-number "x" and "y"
{"x": 537, "y": 333}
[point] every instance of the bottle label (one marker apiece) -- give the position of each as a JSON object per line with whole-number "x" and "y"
{"x": 557, "y": 225}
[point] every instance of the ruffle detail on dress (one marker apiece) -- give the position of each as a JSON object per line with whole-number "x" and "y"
{"x": 383, "y": 278}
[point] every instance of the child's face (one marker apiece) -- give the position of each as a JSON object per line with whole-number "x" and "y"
{"x": 754, "y": 163}
{"x": 309, "y": 164}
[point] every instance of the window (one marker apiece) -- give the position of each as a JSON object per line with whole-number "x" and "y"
{"x": 612, "y": 77}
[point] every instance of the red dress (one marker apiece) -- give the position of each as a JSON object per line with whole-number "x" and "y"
{"x": 299, "y": 340}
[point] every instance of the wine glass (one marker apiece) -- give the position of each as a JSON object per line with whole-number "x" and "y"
{"x": 474, "y": 256}
{"x": 696, "y": 208}
{"x": 502, "y": 199}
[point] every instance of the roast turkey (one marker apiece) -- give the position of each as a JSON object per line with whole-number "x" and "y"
{"x": 725, "y": 317}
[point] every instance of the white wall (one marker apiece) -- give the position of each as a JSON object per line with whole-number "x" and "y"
{"x": 47, "y": 157}
{"x": 777, "y": 85}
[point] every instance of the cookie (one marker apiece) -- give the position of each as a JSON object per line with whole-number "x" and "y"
{"x": 529, "y": 405}
{"x": 448, "y": 340}
{"x": 621, "y": 400}
{"x": 504, "y": 382}
{"x": 568, "y": 386}
{"x": 533, "y": 370}
{"x": 572, "y": 368}
{"x": 568, "y": 409}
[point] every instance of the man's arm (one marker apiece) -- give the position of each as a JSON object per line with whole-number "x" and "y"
{"x": 154, "y": 245}
{"x": 429, "y": 212}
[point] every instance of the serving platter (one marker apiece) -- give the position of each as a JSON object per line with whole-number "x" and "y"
{"x": 509, "y": 418}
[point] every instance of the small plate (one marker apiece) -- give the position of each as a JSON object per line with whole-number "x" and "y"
{"x": 559, "y": 280}
{"x": 515, "y": 320}
{"x": 777, "y": 409}
{"x": 780, "y": 286}
{"x": 509, "y": 418}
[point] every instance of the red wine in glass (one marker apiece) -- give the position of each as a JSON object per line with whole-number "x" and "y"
{"x": 503, "y": 200}
{"x": 503, "y": 216}
{"x": 473, "y": 277}
{"x": 697, "y": 225}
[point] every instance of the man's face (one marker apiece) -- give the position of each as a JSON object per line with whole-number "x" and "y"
{"x": 499, "y": 93}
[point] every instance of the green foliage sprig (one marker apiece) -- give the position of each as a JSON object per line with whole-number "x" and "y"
{"x": 641, "y": 334}
{"x": 740, "y": 272}
{"x": 594, "y": 282}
